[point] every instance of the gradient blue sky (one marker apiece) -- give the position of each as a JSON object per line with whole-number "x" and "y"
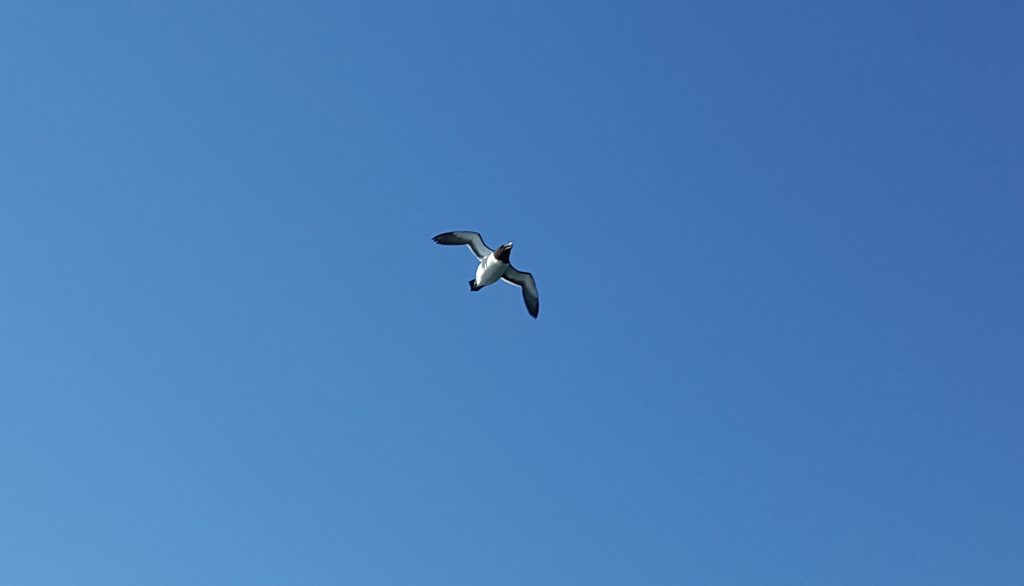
{"x": 779, "y": 251}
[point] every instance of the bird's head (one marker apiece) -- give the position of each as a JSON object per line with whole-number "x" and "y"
{"x": 503, "y": 252}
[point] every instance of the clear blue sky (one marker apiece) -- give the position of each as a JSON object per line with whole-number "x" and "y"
{"x": 779, "y": 252}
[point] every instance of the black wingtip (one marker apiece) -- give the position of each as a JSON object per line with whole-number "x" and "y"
{"x": 533, "y": 311}
{"x": 446, "y": 238}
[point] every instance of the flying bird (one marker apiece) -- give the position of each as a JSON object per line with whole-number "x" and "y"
{"x": 494, "y": 265}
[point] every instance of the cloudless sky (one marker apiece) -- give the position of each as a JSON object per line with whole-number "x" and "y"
{"x": 778, "y": 248}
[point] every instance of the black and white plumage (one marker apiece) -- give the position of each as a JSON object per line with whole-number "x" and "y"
{"x": 494, "y": 265}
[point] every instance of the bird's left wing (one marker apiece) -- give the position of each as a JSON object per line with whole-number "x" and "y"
{"x": 525, "y": 282}
{"x": 471, "y": 239}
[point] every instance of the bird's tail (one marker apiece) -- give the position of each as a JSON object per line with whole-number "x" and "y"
{"x": 473, "y": 286}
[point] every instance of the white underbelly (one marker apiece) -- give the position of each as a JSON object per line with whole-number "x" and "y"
{"x": 489, "y": 271}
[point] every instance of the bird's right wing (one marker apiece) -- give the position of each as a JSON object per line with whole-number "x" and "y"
{"x": 471, "y": 239}
{"x": 525, "y": 282}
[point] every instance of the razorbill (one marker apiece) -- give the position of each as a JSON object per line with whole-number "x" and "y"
{"x": 494, "y": 265}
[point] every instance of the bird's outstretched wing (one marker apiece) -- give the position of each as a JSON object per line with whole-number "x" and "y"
{"x": 525, "y": 282}
{"x": 471, "y": 239}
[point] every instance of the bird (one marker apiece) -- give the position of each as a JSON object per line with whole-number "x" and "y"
{"x": 494, "y": 265}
